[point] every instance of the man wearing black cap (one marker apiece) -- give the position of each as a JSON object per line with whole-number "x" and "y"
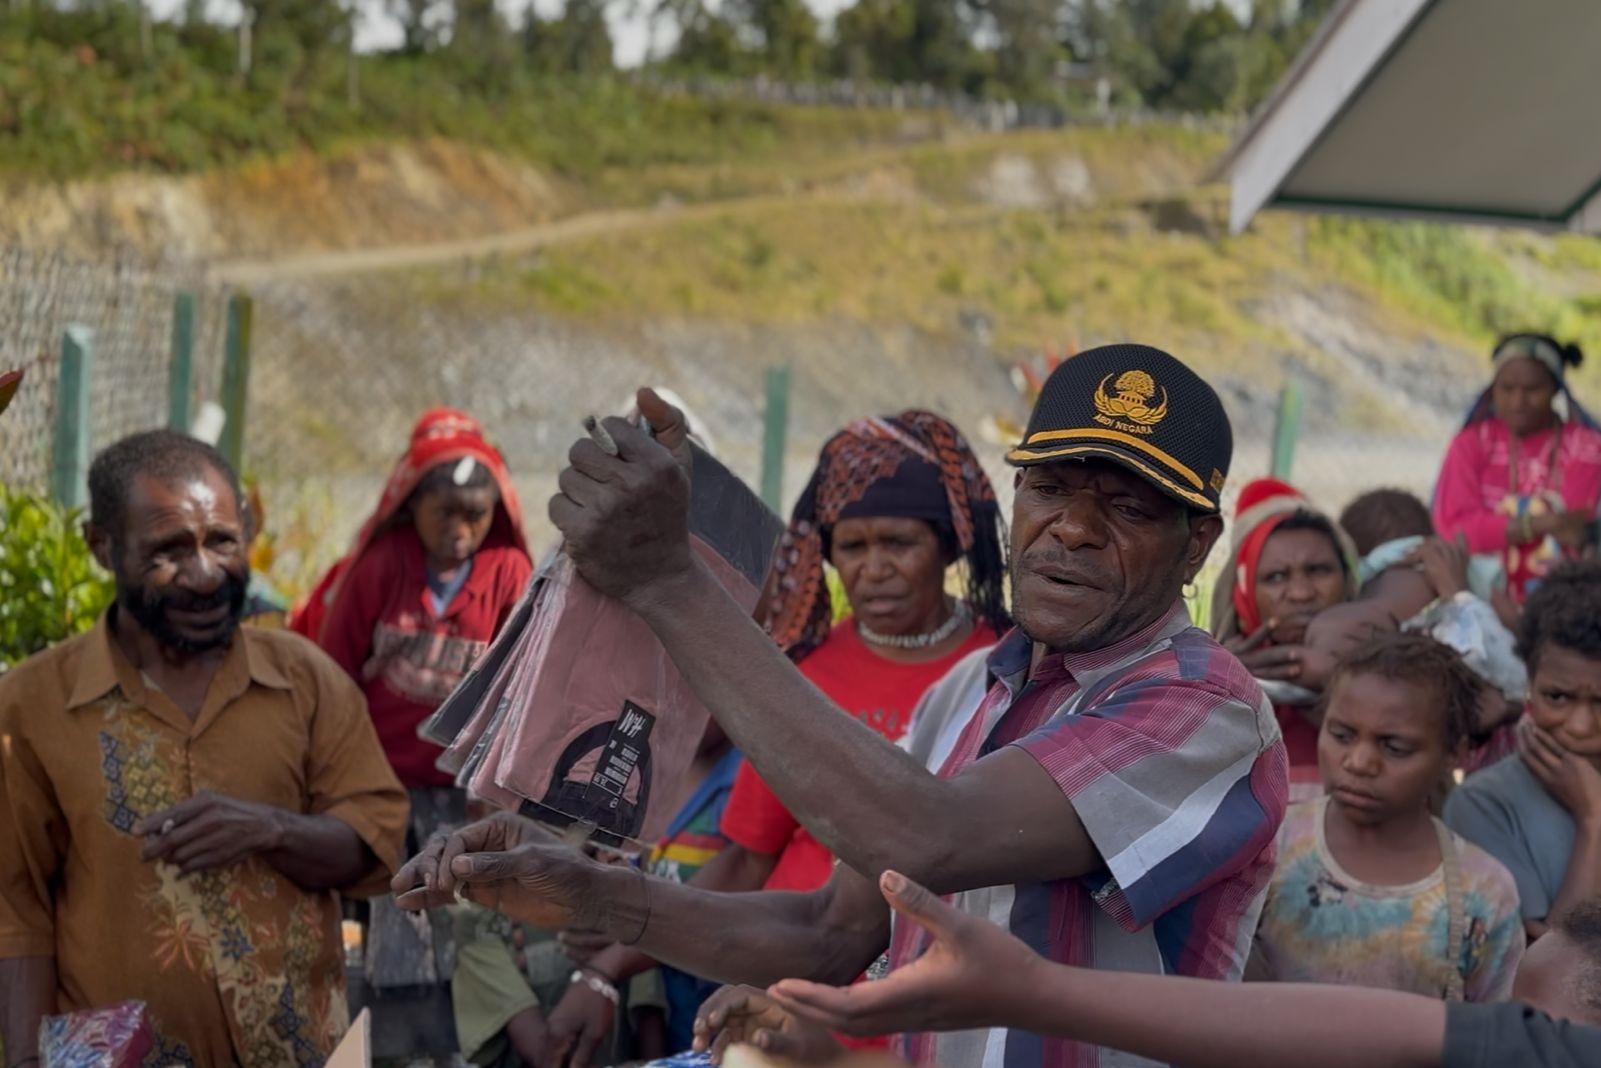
{"x": 1111, "y": 798}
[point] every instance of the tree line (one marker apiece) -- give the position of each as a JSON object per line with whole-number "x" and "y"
{"x": 1188, "y": 55}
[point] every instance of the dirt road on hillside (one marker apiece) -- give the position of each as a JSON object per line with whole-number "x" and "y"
{"x": 511, "y": 242}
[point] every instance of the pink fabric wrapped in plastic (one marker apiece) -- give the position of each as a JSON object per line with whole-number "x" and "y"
{"x": 121, "y": 1036}
{"x": 576, "y": 713}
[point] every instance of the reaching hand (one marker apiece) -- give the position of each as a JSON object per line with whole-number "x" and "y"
{"x": 529, "y": 1036}
{"x": 581, "y": 1023}
{"x": 743, "y": 1015}
{"x": 1570, "y": 529}
{"x": 967, "y": 979}
{"x": 581, "y": 947}
{"x": 209, "y": 831}
{"x": 505, "y": 863}
{"x": 1241, "y": 644}
{"x": 1572, "y": 780}
{"x": 1262, "y": 660}
{"x": 625, "y": 518}
{"x": 1444, "y": 565}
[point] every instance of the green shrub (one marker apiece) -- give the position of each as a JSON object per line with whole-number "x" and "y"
{"x": 50, "y": 586}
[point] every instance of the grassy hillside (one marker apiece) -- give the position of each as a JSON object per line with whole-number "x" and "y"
{"x": 1079, "y": 235}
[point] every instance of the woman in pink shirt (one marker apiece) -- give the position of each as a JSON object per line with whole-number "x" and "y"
{"x": 1521, "y": 481}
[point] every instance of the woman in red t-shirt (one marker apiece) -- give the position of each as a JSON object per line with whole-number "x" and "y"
{"x": 894, "y": 504}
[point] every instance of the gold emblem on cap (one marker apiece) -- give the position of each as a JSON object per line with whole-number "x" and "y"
{"x": 1130, "y": 400}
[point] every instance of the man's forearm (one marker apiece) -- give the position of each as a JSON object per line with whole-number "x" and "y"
{"x": 1197, "y": 1022}
{"x": 755, "y": 938}
{"x": 319, "y": 852}
{"x": 27, "y": 994}
{"x": 857, "y": 794}
{"x": 735, "y": 870}
{"x": 620, "y": 963}
{"x": 732, "y": 871}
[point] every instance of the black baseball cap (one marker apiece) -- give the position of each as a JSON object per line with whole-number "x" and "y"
{"x": 1138, "y": 407}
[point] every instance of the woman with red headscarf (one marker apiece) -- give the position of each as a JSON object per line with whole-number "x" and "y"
{"x": 1287, "y": 562}
{"x": 432, "y": 576}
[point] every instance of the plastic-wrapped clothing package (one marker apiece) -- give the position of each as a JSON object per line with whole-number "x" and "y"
{"x": 120, "y": 1036}
{"x": 576, "y": 713}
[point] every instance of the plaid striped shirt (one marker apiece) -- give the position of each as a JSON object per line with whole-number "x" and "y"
{"x": 1171, "y": 756}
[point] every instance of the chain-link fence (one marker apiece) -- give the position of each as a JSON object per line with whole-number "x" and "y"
{"x": 128, "y": 308}
{"x": 341, "y": 370}
{"x": 340, "y": 373}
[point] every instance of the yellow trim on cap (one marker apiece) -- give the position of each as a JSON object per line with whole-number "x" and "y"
{"x": 1122, "y": 439}
{"x": 1023, "y": 455}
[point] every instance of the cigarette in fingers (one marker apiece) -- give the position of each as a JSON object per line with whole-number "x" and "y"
{"x": 600, "y": 435}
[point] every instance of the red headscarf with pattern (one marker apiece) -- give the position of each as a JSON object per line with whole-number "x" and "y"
{"x": 441, "y": 436}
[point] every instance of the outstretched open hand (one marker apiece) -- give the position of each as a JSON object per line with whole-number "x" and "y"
{"x": 505, "y": 863}
{"x": 970, "y": 975}
{"x": 625, "y": 518}
{"x": 1444, "y": 564}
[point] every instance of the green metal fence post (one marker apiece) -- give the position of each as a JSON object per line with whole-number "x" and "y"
{"x": 1286, "y": 431}
{"x": 236, "y": 378}
{"x": 69, "y": 476}
{"x": 775, "y": 432}
{"x": 180, "y": 382}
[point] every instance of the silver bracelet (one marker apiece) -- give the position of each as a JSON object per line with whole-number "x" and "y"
{"x": 598, "y": 985}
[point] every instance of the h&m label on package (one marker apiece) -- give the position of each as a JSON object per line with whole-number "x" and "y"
{"x": 629, "y": 742}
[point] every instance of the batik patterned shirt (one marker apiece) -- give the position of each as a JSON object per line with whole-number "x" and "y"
{"x": 239, "y": 966}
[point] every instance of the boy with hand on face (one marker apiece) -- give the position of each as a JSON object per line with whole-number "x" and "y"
{"x": 1539, "y": 811}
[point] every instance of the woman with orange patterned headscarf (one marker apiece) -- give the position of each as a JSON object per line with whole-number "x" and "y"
{"x": 895, "y": 502}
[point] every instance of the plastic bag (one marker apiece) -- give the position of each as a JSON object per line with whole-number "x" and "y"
{"x": 121, "y": 1036}
{"x": 576, "y": 713}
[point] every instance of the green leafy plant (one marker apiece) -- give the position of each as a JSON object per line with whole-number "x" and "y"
{"x": 50, "y": 586}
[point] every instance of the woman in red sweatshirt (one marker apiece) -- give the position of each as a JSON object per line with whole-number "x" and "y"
{"x": 432, "y": 577}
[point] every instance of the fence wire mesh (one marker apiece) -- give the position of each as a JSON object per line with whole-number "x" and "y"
{"x": 342, "y": 369}
{"x": 128, "y": 307}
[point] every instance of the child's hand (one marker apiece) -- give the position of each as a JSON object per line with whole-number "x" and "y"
{"x": 1571, "y": 779}
{"x": 1444, "y": 565}
{"x": 737, "y": 1015}
{"x": 581, "y": 1023}
{"x": 528, "y": 1035}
